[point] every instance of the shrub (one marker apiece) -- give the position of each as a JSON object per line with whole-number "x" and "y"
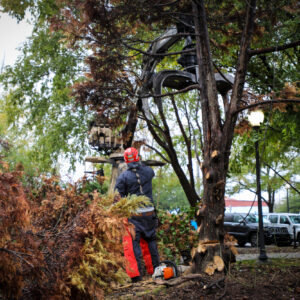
{"x": 175, "y": 234}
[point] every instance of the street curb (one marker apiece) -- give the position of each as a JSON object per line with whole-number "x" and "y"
{"x": 241, "y": 257}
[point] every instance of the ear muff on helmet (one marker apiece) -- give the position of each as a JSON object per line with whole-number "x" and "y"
{"x": 131, "y": 155}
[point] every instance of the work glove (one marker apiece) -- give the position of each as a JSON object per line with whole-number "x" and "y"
{"x": 117, "y": 198}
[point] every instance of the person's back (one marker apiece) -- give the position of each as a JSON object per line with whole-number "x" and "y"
{"x": 137, "y": 180}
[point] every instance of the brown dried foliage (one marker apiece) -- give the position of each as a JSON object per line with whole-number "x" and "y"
{"x": 109, "y": 29}
{"x": 51, "y": 241}
{"x": 243, "y": 127}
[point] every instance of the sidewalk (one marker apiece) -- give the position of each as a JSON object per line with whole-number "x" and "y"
{"x": 246, "y": 253}
{"x": 240, "y": 257}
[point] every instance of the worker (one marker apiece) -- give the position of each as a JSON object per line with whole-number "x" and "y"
{"x": 137, "y": 180}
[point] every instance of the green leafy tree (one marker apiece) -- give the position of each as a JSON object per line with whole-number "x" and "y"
{"x": 167, "y": 191}
{"x": 37, "y": 98}
{"x": 17, "y": 153}
{"x": 293, "y": 199}
{"x": 279, "y": 151}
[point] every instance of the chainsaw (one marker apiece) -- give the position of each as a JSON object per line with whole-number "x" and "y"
{"x": 166, "y": 270}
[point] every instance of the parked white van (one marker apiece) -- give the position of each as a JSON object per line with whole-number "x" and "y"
{"x": 288, "y": 220}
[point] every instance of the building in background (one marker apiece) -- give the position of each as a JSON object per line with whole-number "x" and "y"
{"x": 244, "y": 206}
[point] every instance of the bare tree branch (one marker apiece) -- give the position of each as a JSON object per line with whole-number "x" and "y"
{"x": 250, "y": 190}
{"x": 17, "y": 254}
{"x": 139, "y": 41}
{"x": 188, "y": 88}
{"x": 187, "y": 142}
{"x": 158, "y": 152}
{"x": 159, "y": 54}
{"x": 267, "y": 102}
{"x": 238, "y": 86}
{"x": 273, "y": 49}
{"x": 152, "y": 123}
{"x": 295, "y": 189}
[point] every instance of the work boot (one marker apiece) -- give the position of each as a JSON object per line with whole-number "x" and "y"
{"x": 136, "y": 279}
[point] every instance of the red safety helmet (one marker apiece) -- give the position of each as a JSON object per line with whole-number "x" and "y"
{"x": 131, "y": 155}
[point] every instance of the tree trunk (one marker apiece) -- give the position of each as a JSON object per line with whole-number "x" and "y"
{"x": 212, "y": 254}
{"x": 117, "y": 168}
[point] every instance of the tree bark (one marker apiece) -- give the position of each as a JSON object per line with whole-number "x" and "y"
{"x": 211, "y": 251}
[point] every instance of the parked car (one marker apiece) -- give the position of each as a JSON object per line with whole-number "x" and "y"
{"x": 244, "y": 227}
{"x": 287, "y": 220}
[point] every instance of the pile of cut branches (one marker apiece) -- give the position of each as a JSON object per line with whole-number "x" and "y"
{"x": 59, "y": 242}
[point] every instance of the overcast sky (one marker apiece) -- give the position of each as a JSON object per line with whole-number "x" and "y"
{"x": 12, "y": 36}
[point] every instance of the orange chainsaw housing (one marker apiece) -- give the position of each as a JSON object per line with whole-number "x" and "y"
{"x": 168, "y": 272}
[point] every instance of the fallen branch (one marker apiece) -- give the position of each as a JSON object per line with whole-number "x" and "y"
{"x": 224, "y": 293}
{"x": 206, "y": 287}
{"x": 18, "y": 254}
{"x": 178, "y": 280}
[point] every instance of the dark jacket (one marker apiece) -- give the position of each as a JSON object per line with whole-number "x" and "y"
{"x": 127, "y": 182}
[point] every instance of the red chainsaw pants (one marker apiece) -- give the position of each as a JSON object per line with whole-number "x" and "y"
{"x": 132, "y": 268}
